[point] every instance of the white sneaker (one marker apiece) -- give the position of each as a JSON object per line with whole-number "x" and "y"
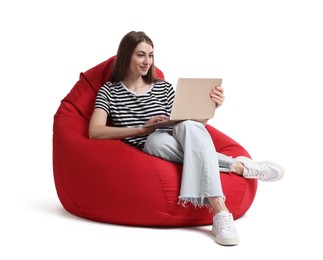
{"x": 264, "y": 171}
{"x": 223, "y": 229}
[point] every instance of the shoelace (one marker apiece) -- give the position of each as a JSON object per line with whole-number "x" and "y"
{"x": 256, "y": 171}
{"x": 226, "y": 222}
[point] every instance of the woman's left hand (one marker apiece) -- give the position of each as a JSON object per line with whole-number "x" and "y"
{"x": 217, "y": 96}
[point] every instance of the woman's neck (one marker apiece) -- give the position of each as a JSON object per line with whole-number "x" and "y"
{"x": 137, "y": 85}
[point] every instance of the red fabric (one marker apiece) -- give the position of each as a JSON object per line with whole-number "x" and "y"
{"x": 109, "y": 181}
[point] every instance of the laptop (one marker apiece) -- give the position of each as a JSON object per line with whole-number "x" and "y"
{"x": 192, "y": 101}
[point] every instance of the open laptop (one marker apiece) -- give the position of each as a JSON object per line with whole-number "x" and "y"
{"x": 192, "y": 101}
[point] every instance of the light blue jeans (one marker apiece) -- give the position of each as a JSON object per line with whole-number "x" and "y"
{"x": 190, "y": 143}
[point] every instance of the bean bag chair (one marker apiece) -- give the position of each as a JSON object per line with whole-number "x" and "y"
{"x": 110, "y": 181}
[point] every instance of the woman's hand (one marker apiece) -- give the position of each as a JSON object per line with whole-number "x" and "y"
{"x": 149, "y": 126}
{"x": 217, "y": 96}
{"x": 156, "y": 119}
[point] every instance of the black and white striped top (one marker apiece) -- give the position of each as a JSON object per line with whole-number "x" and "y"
{"x": 129, "y": 109}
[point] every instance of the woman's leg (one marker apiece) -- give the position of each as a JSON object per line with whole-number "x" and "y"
{"x": 192, "y": 145}
{"x": 201, "y": 176}
{"x": 164, "y": 145}
{"x": 201, "y": 183}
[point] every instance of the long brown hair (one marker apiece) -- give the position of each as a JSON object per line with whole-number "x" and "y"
{"x": 126, "y": 48}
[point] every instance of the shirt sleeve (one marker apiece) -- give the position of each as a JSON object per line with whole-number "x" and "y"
{"x": 102, "y": 99}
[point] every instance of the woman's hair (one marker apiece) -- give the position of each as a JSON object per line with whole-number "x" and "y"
{"x": 126, "y": 48}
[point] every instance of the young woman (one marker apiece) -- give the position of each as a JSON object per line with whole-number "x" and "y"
{"x": 134, "y": 98}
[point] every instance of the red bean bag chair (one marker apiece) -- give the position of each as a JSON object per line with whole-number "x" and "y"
{"x": 110, "y": 181}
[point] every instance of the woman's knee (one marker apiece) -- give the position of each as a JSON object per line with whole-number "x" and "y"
{"x": 188, "y": 124}
{"x": 163, "y": 145}
{"x": 152, "y": 144}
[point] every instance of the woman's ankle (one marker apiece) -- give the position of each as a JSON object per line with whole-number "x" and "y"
{"x": 218, "y": 204}
{"x": 237, "y": 168}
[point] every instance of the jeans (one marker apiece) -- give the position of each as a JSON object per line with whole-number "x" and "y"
{"x": 190, "y": 143}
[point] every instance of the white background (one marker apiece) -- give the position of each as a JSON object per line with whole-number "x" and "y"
{"x": 269, "y": 54}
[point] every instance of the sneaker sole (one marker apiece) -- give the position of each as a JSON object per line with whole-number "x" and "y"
{"x": 269, "y": 162}
{"x": 227, "y": 242}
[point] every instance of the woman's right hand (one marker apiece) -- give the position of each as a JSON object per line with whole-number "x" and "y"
{"x": 149, "y": 126}
{"x": 156, "y": 119}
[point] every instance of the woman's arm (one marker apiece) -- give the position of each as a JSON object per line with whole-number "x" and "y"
{"x": 99, "y": 130}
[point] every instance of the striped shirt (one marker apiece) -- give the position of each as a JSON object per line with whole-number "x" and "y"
{"x": 128, "y": 109}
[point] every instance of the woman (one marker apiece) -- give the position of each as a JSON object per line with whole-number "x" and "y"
{"x": 134, "y": 99}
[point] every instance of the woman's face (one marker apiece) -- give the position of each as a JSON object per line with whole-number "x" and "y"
{"x": 142, "y": 59}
